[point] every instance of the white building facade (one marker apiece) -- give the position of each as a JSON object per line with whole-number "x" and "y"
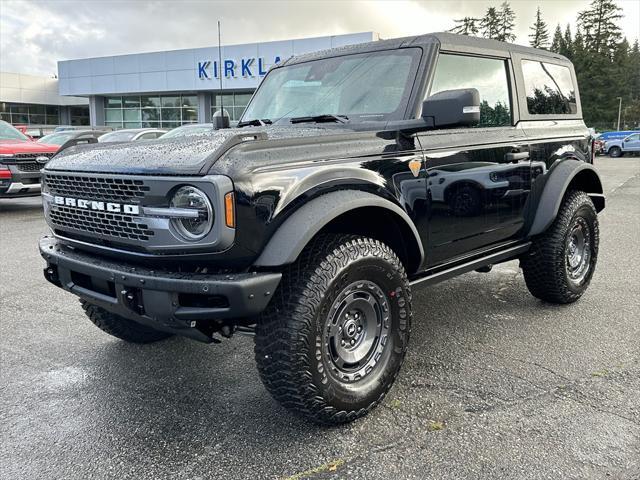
{"x": 35, "y": 101}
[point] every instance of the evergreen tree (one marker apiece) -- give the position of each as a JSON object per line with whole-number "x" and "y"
{"x": 539, "y": 38}
{"x": 578, "y": 52}
{"x": 598, "y": 22}
{"x": 558, "y": 42}
{"x": 634, "y": 68}
{"x": 490, "y": 23}
{"x": 506, "y": 23}
{"x": 466, "y": 26}
{"x": 567, "y": 43}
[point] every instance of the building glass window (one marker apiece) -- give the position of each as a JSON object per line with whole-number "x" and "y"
{"x": 30, "y": 114}
{"x": 79, "y": 115}
{"x": 487, "y": 75}
{"x": 157, "y": 111}
{"x": 233, "y": 103}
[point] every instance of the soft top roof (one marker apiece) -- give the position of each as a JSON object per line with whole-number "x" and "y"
{"x": 447, "y": 42}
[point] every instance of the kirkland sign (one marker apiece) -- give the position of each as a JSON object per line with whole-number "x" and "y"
{"x": 231, "y": 68}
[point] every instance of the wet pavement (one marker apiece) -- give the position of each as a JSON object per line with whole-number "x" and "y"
{"x": 496, "y": 384}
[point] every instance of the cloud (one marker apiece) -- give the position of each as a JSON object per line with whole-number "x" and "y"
{"x": 34, "y": 34}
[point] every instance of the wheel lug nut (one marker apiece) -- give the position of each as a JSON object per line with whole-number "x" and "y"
{"x": 342, "y": 342}
{"x": 353, "y": 342}
{"x": 359, "y": 329}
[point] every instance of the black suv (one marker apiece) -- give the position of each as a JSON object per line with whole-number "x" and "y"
{"x": 355, "y": 176}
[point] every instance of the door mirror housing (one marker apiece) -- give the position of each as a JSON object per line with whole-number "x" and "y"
{"x": 452, "y": 108}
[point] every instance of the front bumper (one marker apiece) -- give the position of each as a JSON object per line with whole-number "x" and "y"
{"x": 181, "y": 303}
{"x": 21, "y": 184}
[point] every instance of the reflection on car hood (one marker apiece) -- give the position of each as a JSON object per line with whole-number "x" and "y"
{"x": 176, "y": 156}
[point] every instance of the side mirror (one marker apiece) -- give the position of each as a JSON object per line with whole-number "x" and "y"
{"x": 452, "y": 108}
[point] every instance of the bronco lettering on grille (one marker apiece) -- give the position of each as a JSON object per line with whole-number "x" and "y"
{"x": 94, "y": 205}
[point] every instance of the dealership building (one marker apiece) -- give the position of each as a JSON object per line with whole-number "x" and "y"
{"x": 35, "y": 100}
{"x": 171, "y": 88}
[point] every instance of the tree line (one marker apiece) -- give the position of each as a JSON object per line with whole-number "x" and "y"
{"x": 606, "y": 64}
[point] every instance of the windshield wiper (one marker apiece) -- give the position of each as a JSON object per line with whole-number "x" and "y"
{"x": 325, "y": 118}
{"x": 256, "y": 122}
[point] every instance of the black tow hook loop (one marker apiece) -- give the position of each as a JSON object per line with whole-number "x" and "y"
{"x": 133, "y": 300}
{"x": 51, "y": 274}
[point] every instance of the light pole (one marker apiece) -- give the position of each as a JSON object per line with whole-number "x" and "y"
{"x": 619, "y": 111}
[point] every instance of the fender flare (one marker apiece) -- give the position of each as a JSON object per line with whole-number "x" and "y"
{"x": 294, "y": 234}
{"x": 555, "y": 187}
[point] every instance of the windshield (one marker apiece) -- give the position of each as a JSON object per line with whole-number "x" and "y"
{"x": 369, "y": 86}
{"x": 8, "y": 132}
{"x": 56, "y": 138}
{"x": 187, "y": 131}
{"x": 117, "y": 137}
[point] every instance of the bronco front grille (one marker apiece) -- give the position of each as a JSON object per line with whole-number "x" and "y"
{"x": 109, "y": 224}
{"x": 109, "y": 189}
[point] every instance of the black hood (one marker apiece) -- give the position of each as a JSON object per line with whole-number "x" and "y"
{"x": 173, "y": 156}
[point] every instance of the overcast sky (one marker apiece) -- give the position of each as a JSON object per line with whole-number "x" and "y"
{"x": 34, "y": 34}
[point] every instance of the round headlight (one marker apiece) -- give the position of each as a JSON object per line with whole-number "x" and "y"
{"x": 196, "y": 227}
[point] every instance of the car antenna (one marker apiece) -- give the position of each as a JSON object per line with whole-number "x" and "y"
{"x": 222, "y": 121}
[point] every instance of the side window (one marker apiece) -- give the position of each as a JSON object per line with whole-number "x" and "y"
{"x": 487, "y": 75}
{"x": 549, "y": 88}
{"x": 148, "y": 136}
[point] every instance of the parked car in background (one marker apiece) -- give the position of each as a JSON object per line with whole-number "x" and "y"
{"x": 618, "y": 147}
{"x": 79, "y": 136}
{"x": 189, "y": 129}
{"x": 598, "y": 146}
{"x": 605, "y": 136}
{"x": 21, "y": 160}
{"x": 132, "y": 135}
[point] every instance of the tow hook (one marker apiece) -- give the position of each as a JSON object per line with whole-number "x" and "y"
{"x": 51, "y": 274}
{"x": 132, "y": 299}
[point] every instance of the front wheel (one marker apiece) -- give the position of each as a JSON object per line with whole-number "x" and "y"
{"x": 332, "y": 341}
{"x": 559, "y": 266}
{"x": 615, "y": 152}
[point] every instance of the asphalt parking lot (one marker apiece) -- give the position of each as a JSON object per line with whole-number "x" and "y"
{"x": 496, "y": 385}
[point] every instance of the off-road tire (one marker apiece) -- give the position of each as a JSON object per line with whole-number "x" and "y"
{"x": 615, "y": 152}
{"x": 289, "y": 343}
{"x": 545, "y": 265}
{"x": 121, "y": 327}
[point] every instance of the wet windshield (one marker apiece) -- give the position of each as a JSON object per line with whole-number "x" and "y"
{"x": 56, "y": 138}
{"x": 117, "y": 137}
{"x": 187, "y": 131}
{"x": 361, "y": 87}
{"x": 7, "y": 132}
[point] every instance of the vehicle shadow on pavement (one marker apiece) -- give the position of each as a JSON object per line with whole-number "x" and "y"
{"x": 20, "y": 205}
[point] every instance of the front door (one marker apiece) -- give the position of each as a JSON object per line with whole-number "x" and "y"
{"x": 478, "y": 179}
{"x": 631, "y": 143}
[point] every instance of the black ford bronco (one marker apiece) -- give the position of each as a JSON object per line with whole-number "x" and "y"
{"x": 355, "y": 176}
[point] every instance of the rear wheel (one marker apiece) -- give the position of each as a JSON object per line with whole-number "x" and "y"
{"x": 332, "y": 341}
{"x": 561, "y": 262}
{"x": 615, "y": 152}
{"x": 121, "y": 327}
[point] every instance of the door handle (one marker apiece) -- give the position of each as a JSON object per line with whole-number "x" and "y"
{"x": 515, "y": 156}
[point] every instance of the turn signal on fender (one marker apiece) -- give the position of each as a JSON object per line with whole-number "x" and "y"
{"x": 229, "y": 210}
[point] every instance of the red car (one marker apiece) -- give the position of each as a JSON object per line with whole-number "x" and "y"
{"x": 21, "y": 160}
